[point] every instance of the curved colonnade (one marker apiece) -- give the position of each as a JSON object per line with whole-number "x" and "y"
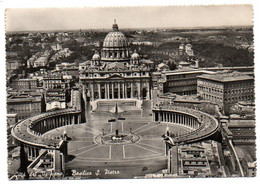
{"x": 202, "y": 124}
{"x": 30, "y": 132}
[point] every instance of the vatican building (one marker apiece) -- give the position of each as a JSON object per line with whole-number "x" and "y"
{"x": 115, "y": 73}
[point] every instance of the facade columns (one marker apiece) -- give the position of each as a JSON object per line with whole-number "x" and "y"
{"x": 123, "y": 86}
{"x": 139, "y": 89}
{"x": 132, "y": 90}
{"x": 92, "y": 92}
{"x": 113, "y": 91}
{"x": 119, "y": 90}
{"x": 105, "y": 91}
{"x": 148, "y": 91}
{"x": 99, "y": 91}
{"x": 108, "y": 91}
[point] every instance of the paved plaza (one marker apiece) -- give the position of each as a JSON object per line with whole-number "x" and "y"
{"x": 145, "y": 154}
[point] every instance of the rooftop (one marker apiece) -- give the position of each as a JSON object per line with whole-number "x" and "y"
{"x": 187, "y": 71}
{"x": 226, "y": 76}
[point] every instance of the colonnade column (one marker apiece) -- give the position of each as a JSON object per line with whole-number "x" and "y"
{"x": 54, "y": 123}
{"x": 35, "y": 152}
{"x": 69, "y": 120}
{"x": 159, "y": 116}
{"x": 163, "y": 119}
{"x": 65, "y": 120}
{"x": 79, "y": 119}
{"x": 73, "y": 119}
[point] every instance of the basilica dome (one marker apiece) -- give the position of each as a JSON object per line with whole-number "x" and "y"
{"x": 115, "y": 46}
{"x": 115, "y": 39}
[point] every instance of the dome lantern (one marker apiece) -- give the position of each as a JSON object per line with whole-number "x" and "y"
{"x": 115, "y": 26}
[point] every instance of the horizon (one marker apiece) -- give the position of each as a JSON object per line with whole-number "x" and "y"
{"x": 132, "y": 29}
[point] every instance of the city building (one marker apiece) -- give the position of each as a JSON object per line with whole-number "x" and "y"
{"x": 243, "y": 108}
{"x": 162, "y": 67}
{"x": 76, "y": 98}
{"x": 183, "y": 81}
{"x": 226, "y": 88}
{"x": 55, "y": 99}
{"x": 40, "y": 59}
{"x": 12, "y": 119}
{"x": 55, "y": 81}
{"x": 193, "y": 161}
{"x": 25, "y": 83}
{"x": 189, "y": 101}
{"x": 24, "y": 106}
{"x": 63, "y": 66}
{"x": 251, "y": 169}
{"x": 13, "y": 64}
{"x": 186, "y": 50}
{"x": 243, "y": 130}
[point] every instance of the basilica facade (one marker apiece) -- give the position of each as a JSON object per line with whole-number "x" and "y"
{"x": 115, "y": 72}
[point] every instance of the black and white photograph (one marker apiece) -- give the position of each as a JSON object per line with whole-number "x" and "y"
{"x": 141, "y": 92}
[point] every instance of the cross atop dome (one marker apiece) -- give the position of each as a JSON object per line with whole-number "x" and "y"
{"x": 115, "y": 26}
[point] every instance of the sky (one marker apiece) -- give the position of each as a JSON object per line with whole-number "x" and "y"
{"x": 127, "y": 17}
